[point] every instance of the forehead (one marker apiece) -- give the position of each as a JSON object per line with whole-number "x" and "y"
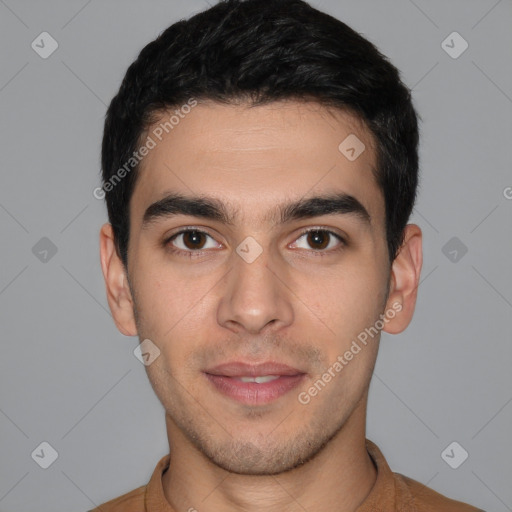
{"x": 252, "y": 158}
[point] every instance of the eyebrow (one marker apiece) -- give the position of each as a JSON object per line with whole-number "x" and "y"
{"x": 214, "y": 209}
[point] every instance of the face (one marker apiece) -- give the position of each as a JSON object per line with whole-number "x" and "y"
{"x": 254, "y": 295}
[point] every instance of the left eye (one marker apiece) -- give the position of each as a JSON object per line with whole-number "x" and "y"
{"x": 319, "y": 240}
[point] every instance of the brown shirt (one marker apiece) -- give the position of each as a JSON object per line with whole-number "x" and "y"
{"x": 392, "y": 492}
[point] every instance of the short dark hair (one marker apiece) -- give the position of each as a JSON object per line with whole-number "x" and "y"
{"x": 262, "y": 51}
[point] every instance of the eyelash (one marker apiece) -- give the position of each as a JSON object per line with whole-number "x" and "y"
{"x": 198, "y": 253}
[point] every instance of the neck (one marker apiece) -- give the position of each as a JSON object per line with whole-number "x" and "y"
{"x": 341, "y": 473}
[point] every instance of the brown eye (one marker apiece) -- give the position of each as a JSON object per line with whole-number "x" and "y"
{"x": 320, "y": 240}
{"x": 191, "y": 240}
{"x": 194, "y": 239}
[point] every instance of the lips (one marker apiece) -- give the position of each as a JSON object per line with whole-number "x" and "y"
{"x": 240, "y": 369}
{"x": 254, "y": 384}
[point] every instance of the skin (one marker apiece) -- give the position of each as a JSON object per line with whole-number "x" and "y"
{"x": 290, "y": 305}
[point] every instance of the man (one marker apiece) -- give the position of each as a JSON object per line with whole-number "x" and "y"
{"x": 260, "y": 166}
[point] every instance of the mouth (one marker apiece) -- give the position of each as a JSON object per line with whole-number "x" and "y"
{"x": 254, "y": 384}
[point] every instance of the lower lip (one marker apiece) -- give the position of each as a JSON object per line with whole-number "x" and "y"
{"x": 252, "y": 393}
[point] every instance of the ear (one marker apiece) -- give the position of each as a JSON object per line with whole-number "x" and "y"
{"x": 405, "y": 278}
{"x": 119, "y": 296}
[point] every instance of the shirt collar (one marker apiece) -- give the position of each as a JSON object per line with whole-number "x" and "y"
{"x": 382, "y": 496}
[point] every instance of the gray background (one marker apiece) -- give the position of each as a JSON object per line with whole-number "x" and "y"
{"x": 69, "y": 378}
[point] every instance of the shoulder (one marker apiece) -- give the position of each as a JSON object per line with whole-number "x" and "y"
{"x": 420, "y": 498}
{"x": 132, "y": 501}
{"x": 135, "y": 501}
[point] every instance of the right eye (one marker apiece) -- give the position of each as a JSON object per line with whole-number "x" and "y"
{"x": 191, "y": 240}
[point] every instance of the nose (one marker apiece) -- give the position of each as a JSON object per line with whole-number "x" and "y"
{"x": 255, "y": 298}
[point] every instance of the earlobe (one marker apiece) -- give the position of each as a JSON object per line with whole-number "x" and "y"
{"x": 405, "y": 276}
{"x": 118, "y": 292}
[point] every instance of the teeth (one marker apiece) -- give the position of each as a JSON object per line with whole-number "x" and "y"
{"x": 260, "y": 379}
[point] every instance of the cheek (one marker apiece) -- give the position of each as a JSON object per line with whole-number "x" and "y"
{"x": 167, "y": 301}
{"x": 174, "y": 312}
{"x": 346, "y": 300}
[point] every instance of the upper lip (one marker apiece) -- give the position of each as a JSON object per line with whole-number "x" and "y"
{"x": 241, "y": 369}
